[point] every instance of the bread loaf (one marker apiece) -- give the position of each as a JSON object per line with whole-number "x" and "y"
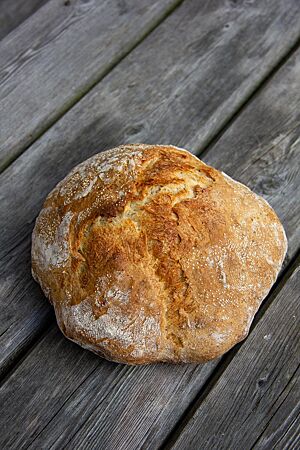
{"x": 147, "y": 254}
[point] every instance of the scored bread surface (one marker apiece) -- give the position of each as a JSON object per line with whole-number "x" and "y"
{"x": 147, "y": 254}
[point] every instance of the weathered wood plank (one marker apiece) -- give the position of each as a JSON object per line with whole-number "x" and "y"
{"x": 262, "y": 148}
{"x": 14, "y": 12}
{"x": 138, "y": 419}
{"x": 60, "y": 379}
{"x": 55, "y": 57}
{"x": 283, "y": 428}
{"x": 251, "y": 162}
{"x": 30, "y": 385}
{"x": 143, "y": 419}
{"x": 255, "y": 386}
{"x": 187, "y": 58}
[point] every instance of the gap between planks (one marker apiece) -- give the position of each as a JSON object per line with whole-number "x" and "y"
{"x": 206, "y": 145}
{"x": 213, "y": 378}
{"x": 205, "y": 148}
{"x": 188, "y": 414}
{"x": 26, "y": 350}
{"x": 20, "y": 357}
{"x": 71, "y": 103}
{"x": 14, "y": 12}
{"x": 200, "y": 152}
{"x": 272, "y": 417}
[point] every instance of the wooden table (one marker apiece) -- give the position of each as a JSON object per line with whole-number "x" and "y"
{"x": 219, "y": 77}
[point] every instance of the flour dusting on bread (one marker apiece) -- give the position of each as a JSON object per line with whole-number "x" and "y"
{"x": 149, "y": 255}
{"x": 51, "y": 248}
{"x": 138, "y": 334}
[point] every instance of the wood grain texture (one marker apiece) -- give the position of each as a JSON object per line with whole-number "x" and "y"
{"x": 142, "y": 404}
{"x": 262, "y": 148}
{"x": 14, "y": 12}
{"x": 260, "y": 385}
{"x": 176, "y": 87}
{"x": 250, "y": 163}
{"x": 61, "y": 51}
{"x": 30, "y": 385}
{"x": 53, "y": 58}
{"x": 283, "y": 427}
{"x": 70, "y": 388}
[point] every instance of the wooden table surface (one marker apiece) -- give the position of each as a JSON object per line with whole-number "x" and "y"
{"x": 220, "y": 78}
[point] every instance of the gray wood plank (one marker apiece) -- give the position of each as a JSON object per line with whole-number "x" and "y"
{"x": 176, "y": 87}
{"x": 262, "y": 148}
{"x": 61, "y": 381}
{"x": 14, "y": 12}
{"x": 251, "y": 161}
{"x": 254, "y": 388}
{"x": 55, "y": 57}
{"x": 30, "y": 385}
{"x": 283, "y": 428}
{"x": 49, "y": 421}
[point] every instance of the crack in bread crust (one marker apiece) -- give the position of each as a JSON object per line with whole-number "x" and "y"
{"x": 150, "y": 255}
{"x": 182, "y": 188}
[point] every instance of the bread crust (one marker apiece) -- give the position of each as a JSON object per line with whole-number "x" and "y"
{"x": 147, "y": 254}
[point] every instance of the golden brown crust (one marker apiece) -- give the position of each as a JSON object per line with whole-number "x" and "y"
{"x": 148, "y": 254}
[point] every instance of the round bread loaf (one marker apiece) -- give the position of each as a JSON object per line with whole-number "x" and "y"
{"x": 147, "y": 254}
